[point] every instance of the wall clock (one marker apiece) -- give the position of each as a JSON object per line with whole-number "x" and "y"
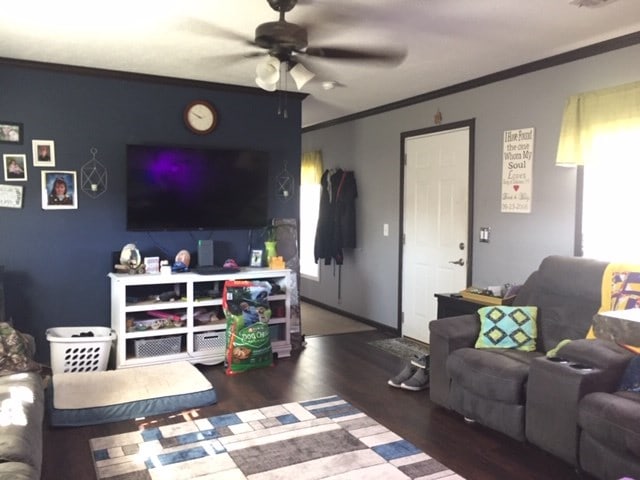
{"x": 200, "y": 117}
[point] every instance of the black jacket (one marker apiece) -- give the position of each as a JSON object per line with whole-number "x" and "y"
{"x": 337, "y": 217}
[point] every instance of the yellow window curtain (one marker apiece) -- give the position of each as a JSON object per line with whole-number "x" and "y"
{"x": 311, "y": 169}
{"x": 590, "y": 115}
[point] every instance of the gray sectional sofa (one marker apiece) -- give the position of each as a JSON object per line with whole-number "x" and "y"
{"x": 21, "y": 438}
{"x": 21, "y": 421}
{"x": 539, "y": 398}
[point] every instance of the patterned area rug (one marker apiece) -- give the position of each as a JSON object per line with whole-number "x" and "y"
{"x": 326, "y": 438}
{"x": 402, "y": 347}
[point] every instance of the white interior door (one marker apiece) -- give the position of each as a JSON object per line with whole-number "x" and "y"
{"x": 436, "y": 199}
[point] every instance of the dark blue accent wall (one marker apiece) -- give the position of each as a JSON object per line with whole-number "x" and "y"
{"x": 57, "y": 261}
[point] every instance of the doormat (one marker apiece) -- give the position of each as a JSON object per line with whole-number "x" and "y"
{"x": 402, "y": 347}
{"x": 322, "y": 438}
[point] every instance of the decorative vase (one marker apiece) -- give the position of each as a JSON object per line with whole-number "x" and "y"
{"x": 270, "y": 251}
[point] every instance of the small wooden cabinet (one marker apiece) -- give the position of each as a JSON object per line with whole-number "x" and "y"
{"x": 452, "y": 305}
{"x": 165, "y": 318}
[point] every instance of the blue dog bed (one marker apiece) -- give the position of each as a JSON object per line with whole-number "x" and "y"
{"x": 91, "y": 398}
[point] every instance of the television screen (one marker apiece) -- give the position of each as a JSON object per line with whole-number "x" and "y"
{"x": 178, "y": 188}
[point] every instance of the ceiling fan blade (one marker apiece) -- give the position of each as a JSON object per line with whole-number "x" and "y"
{"x": 340, "y": 53}
{"x": 200, "y": 27}
{"x": 233, "y": 58}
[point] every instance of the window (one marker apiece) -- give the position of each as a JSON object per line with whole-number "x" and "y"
{"x": 601, "y": 132}
{"x": 310, "y": 190}
{"x": 611, "y": 184}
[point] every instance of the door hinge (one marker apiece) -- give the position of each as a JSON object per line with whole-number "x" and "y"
{"x": 402, "y": 318}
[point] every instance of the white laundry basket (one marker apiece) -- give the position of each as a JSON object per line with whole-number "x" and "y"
{"x": 71, "y": 353}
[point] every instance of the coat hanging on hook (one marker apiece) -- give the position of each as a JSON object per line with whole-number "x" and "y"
{"x": 336, "y": 228}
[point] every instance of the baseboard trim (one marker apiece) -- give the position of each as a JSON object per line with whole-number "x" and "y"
{"x": 371, "y": 323}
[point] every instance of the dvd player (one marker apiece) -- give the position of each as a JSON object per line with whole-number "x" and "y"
{"x": 213, "y": 270}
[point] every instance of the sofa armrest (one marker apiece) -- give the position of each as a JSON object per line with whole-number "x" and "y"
{"x": 604, "y": 355}
{"x": 445, "y": 336}
{"x": 555, "y": 387}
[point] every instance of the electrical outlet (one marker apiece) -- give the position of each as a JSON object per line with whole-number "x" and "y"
{"x": 385, "y": 229}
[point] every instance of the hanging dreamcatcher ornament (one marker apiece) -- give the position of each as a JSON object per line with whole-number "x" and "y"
{"x": 93, "y": 179}
{"x": 285, "y": 184}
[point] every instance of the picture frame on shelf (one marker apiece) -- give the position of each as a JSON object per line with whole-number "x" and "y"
{"x": 59, "y": 190}
{"x": 256, "y": 258}
{"x": 44, "y": 154}
{"x": 15, "y": 167}
{"x": 11, "y": 132}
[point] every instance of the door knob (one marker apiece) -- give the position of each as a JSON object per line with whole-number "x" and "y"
{"x": 458, "y": 262}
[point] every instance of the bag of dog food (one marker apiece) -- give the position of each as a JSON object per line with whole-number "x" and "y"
{"x": 247, "y": 311}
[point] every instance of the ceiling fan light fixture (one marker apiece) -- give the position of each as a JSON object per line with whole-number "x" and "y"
{"x": 268, "y": 73}
{"x": 269, "y": 87}
{"x": 301, "y": 75}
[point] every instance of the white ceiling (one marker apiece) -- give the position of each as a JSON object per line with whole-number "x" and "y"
{"x": 447, "y": 41}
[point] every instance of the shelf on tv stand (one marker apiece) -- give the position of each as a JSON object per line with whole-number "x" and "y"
{"x": 188, "y": 306}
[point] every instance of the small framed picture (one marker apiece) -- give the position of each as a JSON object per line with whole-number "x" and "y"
{"x": 256, "y": 258}
{"x": 15, "y": 167}
{"x": 11, "y": 196}
{"x": 59, "y": 190}
{"x": 10, "y": 132}
{"x": 44, "y": 154}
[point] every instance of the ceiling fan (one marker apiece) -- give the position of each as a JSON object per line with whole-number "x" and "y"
{"x": 285, "y": 44}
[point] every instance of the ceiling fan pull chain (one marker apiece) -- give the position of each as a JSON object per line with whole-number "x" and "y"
{"x": 284, "y": 92}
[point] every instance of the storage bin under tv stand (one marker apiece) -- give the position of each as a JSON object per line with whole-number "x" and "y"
{"x": 134, "y": 296}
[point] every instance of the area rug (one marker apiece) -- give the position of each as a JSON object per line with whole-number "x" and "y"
{"x": 402, "y": 347}
{"x": 317, "y": 321}
{"x": 326, "y": 438}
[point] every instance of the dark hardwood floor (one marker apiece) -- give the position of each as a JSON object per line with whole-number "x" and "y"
{"x": 348, "y": 366}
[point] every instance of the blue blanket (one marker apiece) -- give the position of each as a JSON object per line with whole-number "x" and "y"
{"x": 631, "y": 378}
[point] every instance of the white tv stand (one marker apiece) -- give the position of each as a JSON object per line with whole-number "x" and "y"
{"x": 197, "y": 298}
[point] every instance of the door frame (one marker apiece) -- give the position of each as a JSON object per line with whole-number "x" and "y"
{"x": 471, "y": 124}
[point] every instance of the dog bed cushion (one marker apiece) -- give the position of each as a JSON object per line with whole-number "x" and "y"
{"x": 89, "y": 398}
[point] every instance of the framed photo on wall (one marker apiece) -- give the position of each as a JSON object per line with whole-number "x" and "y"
{"x": 44, "y": 154}
{"x": 11, "y": 132}
{"x": 11, "y": 196}
{"x": 59, "y": 190}
{"x": 256, "y": 258}
{"x": 15, "y": 167}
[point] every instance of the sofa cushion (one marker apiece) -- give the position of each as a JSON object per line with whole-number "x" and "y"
{"x": 567, "y": 292}
{"x": 21, "y": 415}
{"x": 18, "y": 471}
{"x": 498, "y": 374}
{"x": 508, "y": 327}
{"x": 612, "y": 419}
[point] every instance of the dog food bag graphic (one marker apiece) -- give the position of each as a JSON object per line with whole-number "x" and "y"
{"x": 246, "y": 309}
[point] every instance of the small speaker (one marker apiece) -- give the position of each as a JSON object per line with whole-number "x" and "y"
{"x": 205, "y": 253}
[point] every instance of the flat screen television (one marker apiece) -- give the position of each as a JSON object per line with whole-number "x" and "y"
{"x": 184, "y": 188}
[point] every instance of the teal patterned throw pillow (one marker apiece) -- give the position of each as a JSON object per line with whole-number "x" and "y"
{"x": 504, "y": 326}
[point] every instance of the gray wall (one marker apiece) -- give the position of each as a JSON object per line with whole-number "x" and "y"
{"x": 371, "y": 147}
